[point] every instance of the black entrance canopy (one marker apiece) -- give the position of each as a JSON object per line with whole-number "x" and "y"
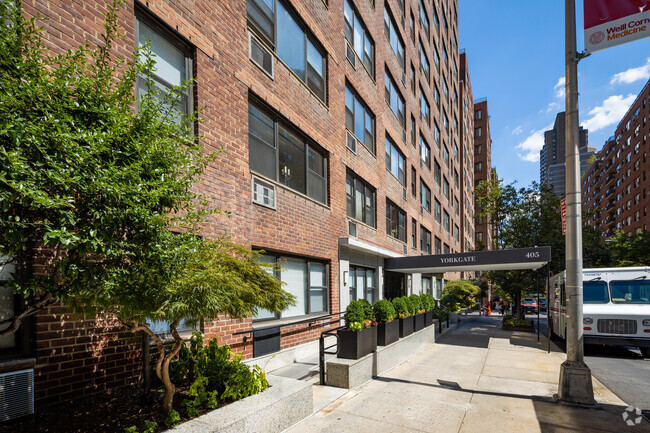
{"x": 501, "y": 260}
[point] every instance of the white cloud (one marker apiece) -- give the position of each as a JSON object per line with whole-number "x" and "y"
{"x": 610, "y": 112}
{"x": 531, "y": 146}
{"x": 559, "y": 88}
{"x": 518, "y": 130}
{"x": 553, "y": 106}
{"x": 632, "y": 74}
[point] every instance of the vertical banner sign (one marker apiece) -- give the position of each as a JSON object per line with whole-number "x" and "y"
{"x": 563, "y": 208}
{"x": 614, "y": 22}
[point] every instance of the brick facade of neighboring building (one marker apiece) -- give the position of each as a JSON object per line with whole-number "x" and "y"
{"x": 482, "y": 167}
{"x": 320, "y": 171}
{"x": 615, "y": 187}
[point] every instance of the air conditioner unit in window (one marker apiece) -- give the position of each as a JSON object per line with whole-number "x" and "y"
{"x": 16, "y": 394}
{"x": 352, "y": 228}
{"x": 352, "y": 142}
{"x": 349, "y": 53}
{"x": 263, "y": 192}
{"x": 260, "y": 55}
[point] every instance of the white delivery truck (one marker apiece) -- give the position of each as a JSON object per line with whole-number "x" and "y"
{"x": 616, "y": 307}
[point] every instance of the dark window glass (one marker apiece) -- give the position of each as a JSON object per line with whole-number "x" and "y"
{"x": 261, "y": 142}
{"x": 424, "y": 20}
{"x": 425, "y": 153}
{"x": 292, "y": 160}
{"x": 630, "y": 292}
{"x": 394, "y": 99}
{"x": 291, "y": 42}
{"x": 438, "y": 246}
{"x": 436, "y": 172}
{"x": 359, "y": 119}
{"x": 424, "y": 62}
{"x": 437, "y": 210}
{"x": 360, "y": 200}
{"x": 392, "y": 33}
{"x": 395, "y": 161}
{"x": 395, "y": 221}
{"x": 445, "y": 220}
{"x": 425, "y": 196}
{"x": 363, "y": 284}
{"x": 425, "y": 113}
{"x": 595, "y": 292}
{"x": 413, "y": 182}
{"x": 414, "y": 236}
{"x": 425, "y": 240}
{"x": 358, "y": 36}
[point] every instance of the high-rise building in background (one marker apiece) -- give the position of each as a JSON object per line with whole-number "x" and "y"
{"x": 343, "y": 127}
{"x": 615, "y": 188}
{"x": 483, "y": 170}
{"x": 552, "y": 168}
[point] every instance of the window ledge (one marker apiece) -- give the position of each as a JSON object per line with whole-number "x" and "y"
{"x": 17, "y": 364}
{"x": 278, "y": 322}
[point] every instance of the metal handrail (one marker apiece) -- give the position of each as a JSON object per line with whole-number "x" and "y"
{"x": 322, "y": 350}
{"x": 313, "y": 319}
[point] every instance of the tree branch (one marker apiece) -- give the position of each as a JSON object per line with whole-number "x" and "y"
{"x": 16, "y": 321}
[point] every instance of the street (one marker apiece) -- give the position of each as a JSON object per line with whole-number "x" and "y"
{"x": 623, "y": 370}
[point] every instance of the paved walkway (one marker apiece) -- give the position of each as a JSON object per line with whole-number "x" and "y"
{"x": 476, "y": 379}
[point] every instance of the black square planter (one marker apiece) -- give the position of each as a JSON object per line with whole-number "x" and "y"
{"x": 357, "y": 344}
{"x": 428, "y": 318}
{"x": 418, "y": 322}
{"x": 387, "y": 333}
{"x": 405, "y": 327}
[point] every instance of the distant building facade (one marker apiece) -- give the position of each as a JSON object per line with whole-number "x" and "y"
{"x": 615, "y": 187}
{"x": 482, "y": 168}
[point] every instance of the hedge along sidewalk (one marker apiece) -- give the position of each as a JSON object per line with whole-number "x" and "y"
{"x": 275, "y": 409}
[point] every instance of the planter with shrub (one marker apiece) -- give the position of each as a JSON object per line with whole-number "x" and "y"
{"x": 387, "y": 327}
{"x": 404, "y": 315}
{"x": 511, "y": 323}
{"x": 360, "y": 336}
{"x": 428, "y": 303}
{"x": 418, "y": 312}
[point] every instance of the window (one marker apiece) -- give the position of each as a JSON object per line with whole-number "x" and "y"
{"x": 174, "y": 65}
{"x": 445, "y": 220}
{"x": 456, "y": 206}
{"x": 445, "y": 121}
{"x": 414, "y": 236}
{"x": 478, "y": 149}
{"x": 19, "y": 343}
{"x": 395, "y": 221}
{"x": 436, "y": 21}
{"x": 425, "y": 240}
{"x": 394, "y": 98}
{"x": 424, "y": 62}
{"x": 306, "y": 279}
{"x": 412, "y": 79}
{"x": 425, "y": 113}
{"x": 413, "y": 182}
{"x": 427, "y": 287}
{"x": 436, "y": 59}
{"x": 445, "y": 90}
{"x": 455, "y": 178}
{"x": 281, "y": 153}
{"x": 477, "y": 132}
{"x": 425, "y": 153}
{"x": 630, "y": 292}
{"x": 360, "y": 198}
{"x": 425, "y": 196}
{"x": 359, "y": 119}
{"x": 413, "y": 130}
{"x": 436, "y": 133}
{"x": 478, "y": 167}
{"x": 438, "y": 245}
{"x": 436, "y": 172}
{"x": 445, "y": 187}
{"x": 280, "y": 29}
{"x": 595, "y": 292}
{"x": 479, "y": 237}
{"x": 437, "y": 210}
{"x": 424, "y": 20}
{"x": 477, "y": 115}
{"x": 436, "y": 95}
{"x": 358, "y": 36}
{"x": 445, "y": 249}
{"x": 395, "y": 161}
{"x": 445, "y": 155}
{"x": 456, "y": 233}
{"x": 392, "y": 33}
{"x": 363, "y": 284}
{"x": 412, "y": 27}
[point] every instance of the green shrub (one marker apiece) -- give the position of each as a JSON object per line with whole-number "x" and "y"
{"x": 356, "y": 312}
{"x": 354, "y": 326}
{"x": 428, "y": 303}
{"x": 367, "y": 309}
{"x": 401, "y": 309}
{"x": 417, "y": 303}
{"x": 409, "y": 305}
{"x": 384, "y": 311}
{"x": 441, "y": 314}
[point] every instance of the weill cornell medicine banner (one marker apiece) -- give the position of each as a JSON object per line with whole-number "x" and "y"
{"x": 614, "y": 22}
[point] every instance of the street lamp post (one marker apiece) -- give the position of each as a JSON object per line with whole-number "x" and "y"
{"x": 575, "y": 377}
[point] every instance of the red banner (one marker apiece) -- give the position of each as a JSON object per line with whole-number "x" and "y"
{"x": 614, "y": 22}
{"x": 563, "y": 210}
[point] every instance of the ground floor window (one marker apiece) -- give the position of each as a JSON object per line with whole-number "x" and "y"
{"x": 19, "y": 343}
{"x": 363, "y": 284}
{"x": 426, "y": 284}
{"x": 306, "y": 279}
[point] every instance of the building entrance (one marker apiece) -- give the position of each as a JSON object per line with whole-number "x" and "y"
{"x": 394, "y": 285}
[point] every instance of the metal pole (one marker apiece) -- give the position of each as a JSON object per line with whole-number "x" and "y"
{"x": 575, "y": 377}
{"x": 548, "y": 303}
{"x": 538, "y": 302}
{"x": 321, "y": 358}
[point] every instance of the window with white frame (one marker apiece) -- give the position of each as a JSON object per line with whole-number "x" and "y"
{"x": 363, "y": 284}
{"x": 359, "y": 119}
{"x": 395, "y": 161}
{"x": 357, "y": 35}
{"x": 360, "y": 200}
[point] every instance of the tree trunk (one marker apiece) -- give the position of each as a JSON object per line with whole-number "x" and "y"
{"x": 170, "y": 389}
{"x": 520, "y": 311}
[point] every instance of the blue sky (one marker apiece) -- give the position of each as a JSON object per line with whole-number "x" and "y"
{"x": 515, "y": 51}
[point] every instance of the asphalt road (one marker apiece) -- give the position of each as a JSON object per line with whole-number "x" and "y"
{"x": 622, "y": 369}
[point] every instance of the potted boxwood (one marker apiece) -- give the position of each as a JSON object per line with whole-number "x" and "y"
{"x": 404, "y": 315}
{"x": 360, "y": 337}
{"x": 428, "y": 303}
{"x": 418, "y": 312}
{"x": 387, "y": 327}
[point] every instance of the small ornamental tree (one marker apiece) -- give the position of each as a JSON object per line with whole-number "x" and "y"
{"x": 409, "y": 306}
{"x": 401, "y": 309}
{"x": 460, "y": 294}
{"x": 417, "y": 303}
{"x": 383, "y": 311}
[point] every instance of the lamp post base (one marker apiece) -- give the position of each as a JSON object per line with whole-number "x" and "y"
{"x": 575, "y": 385}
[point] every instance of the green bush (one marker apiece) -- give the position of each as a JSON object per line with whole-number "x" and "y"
{"x": 384, "y": 311}
{"x": 428, "y": 303}
{"x": 417, "y": 303}
{"x": 356, "y": 312}
{"x": 367, "y": 309}
{"x": 401, "y": 309}
{"x": 441, "y": 314}
{"x": 409, "y": 305}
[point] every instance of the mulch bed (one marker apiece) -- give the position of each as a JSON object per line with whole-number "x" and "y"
{"x": 109, "y": 412}
{"x": 517, "y": 328}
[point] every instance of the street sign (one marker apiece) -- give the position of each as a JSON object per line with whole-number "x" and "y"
{"x": 563, "y": 208}
{"x": 615, "y": 22}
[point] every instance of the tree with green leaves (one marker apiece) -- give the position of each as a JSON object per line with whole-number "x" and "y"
{"x": 101, "y": 196}
{"x": 460, "y": 294}
{"x": 629, "y": 249}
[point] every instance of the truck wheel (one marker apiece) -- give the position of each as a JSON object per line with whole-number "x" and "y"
{"x": 645, "y": 351}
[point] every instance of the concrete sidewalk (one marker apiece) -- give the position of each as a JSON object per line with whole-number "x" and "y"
{"x": 476, "y": 379}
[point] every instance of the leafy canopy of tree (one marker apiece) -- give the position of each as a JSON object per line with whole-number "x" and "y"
{"x": 629, "y": 249}
{"x": 102, "y": 194}
{"x": 460, "y": 294}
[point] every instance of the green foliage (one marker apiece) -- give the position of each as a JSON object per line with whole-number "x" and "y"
{"x": 416, "y": 302}
{"x": 460, "y": 294}
{"x": 409, "y": 306}
{"x": 441, "y": 314}
{"x": 354, "y": 326}
{"x": 173, "y": 418}
{"x": 482, "y": 285}
{"x": 510, "y": 321}
{"x": 383, "y": 311}
{"x": 357, "y": 311}
{"x": 428, "y": 302}
{"x": 401, "y": 308}
{"x": 630, "y": 249}
{"x": 245, "y": 382}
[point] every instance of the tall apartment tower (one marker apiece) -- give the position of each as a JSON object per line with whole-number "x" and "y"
{"x": 615, "y": 193}
{"x": 482, "y": 167}
{"x": 341, "y": 121}
{"x": 552, "y": 169}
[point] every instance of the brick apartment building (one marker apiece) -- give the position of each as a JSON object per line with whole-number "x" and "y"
{"x": 342, "y": 121}
{"x": 482, "y": 167}
{"x": 615, "y": 187}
